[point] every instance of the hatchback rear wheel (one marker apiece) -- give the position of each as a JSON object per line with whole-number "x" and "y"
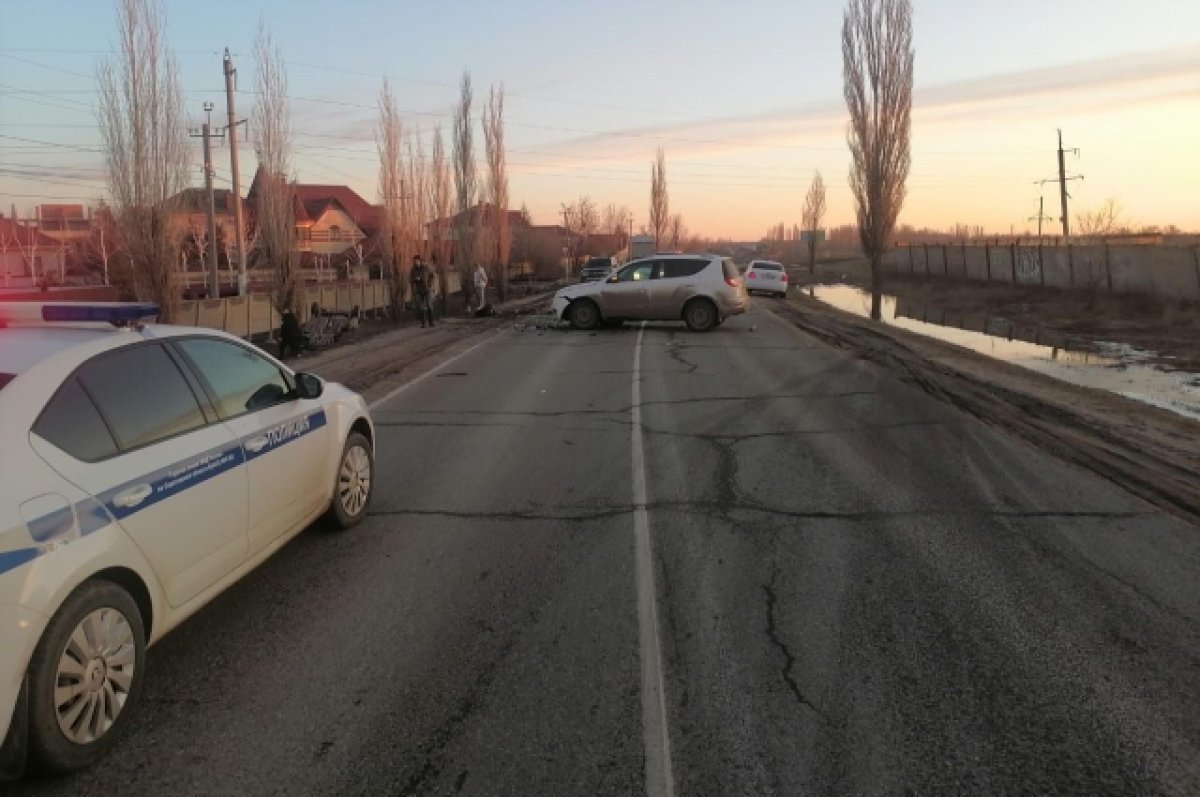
{"x": 700, "y": 315}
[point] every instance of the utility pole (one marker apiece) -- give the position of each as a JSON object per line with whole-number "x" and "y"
{"x": 1062, "y": 181}
{"x": 629, "y": 240}
{"x": 238, "y": 221}
{"x": 1041, "y": 215}
{"x": 214, "y": 280}
{"x": 1062, "y": 184}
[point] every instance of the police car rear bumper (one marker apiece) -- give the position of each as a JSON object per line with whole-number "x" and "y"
{"x": 20, "y": 629}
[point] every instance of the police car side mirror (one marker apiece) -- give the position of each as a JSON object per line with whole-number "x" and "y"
{"x": 308, "y": 386}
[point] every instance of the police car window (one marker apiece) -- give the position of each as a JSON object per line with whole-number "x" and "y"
{"x": 71, "y": 422}
{"x": 142, "y": 394}
{"x": 239, "y": 379}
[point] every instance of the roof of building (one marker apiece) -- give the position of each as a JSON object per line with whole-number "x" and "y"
{"x": 64, "y": 212}
{"x": 20, "y": 235}
{"x": 515, "y": 217}
{"x": 365, "y": 215}
{"x": 195, "y": 200}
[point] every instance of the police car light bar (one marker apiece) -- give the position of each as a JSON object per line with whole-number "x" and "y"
{"x": 116, "y": 313}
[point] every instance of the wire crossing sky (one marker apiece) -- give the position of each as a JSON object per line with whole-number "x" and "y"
{"x": 746, "y": 99}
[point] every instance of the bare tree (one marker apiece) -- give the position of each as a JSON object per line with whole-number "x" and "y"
{"x": 615, "y": 221}
{"x": 659, "y": 203}
{"x": 676, "y": 231}
{"x": 586, "y": 219}
{"x": 275, "y": 209}
{"x": 877, "y": 64}
{"x": 394, "y": 244}
{"x": 439, "y": 205}
{"x": 1104, "y": 220}
{"x": 465, "y": 184}
{"x": 813, "y": 215}
{"x": 493, "y": 139}
{"x": 145, "y": 146}
{"x": 570, "y": 214}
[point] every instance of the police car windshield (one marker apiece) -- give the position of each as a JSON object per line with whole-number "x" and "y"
{"x": 5, "y": 379}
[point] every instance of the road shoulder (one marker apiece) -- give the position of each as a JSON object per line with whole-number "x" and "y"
{"x": 1152, "y": 453}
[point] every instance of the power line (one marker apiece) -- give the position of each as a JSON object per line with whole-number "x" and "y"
{"x": 53, "y": 144}
{"x": 45, "y": 66}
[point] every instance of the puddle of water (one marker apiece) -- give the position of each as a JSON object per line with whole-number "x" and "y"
{"x": 1116, "y": 367}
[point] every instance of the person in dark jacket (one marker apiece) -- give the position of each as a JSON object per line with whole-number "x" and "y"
{"x": 291, "y": 338}
{"x": 421, "y": 280}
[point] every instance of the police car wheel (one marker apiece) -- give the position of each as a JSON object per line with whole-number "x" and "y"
{"x": 85, "y": 677}
{"x": 355, "y": 480}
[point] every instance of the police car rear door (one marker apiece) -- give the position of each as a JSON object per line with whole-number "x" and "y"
{"x": 285, "y": 439}
{"x": 176, "y": 482}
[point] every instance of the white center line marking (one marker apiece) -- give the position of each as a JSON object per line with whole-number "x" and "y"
{"x": 659, "y": 781}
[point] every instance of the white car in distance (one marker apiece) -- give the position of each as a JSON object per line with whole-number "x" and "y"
{"x": 767, "y": 276}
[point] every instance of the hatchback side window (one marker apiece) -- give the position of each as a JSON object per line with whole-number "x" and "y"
{"x": 683, "y": 268}
{"x": 239, "y": 380}
{"x": 72, "y": 422}
{"x": 637, "y": 272}
{"x": 142, "y": 395}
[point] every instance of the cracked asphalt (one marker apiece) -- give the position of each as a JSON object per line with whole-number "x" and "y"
{"x": 861, "y": 590}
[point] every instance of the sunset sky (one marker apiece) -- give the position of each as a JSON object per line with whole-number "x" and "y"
{"x": 745, "y": 97}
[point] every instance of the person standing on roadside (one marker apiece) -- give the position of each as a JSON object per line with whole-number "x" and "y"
{"x": 421, "y": 279}
{"x": 481, "y": 282}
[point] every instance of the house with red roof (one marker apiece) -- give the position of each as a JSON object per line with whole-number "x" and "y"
{"x": 334, "y": 225}
{"x": 28, "y": 256}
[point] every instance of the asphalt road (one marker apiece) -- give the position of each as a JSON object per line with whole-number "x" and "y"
{"x": 858, "y": 590}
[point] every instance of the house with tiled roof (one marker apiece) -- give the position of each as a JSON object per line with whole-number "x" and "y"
{"x": 331, "y": 220}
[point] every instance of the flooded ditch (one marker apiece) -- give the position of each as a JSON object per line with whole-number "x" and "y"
{"x": 1114, "y": 367}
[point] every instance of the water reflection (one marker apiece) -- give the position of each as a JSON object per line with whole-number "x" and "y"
{"x": 1118, "y": 369}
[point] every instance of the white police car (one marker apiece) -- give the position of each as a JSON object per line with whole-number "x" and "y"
{"x": 143, "y": 469}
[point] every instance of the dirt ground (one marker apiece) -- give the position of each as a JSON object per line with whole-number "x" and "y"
{"x": 382, "y": 353}
{"x": 1151, "y": 452}
{"x": 1171, "y": 329}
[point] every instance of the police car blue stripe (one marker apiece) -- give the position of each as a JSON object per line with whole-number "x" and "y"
{"x": 284, "y": 433}
{"x": 10, "y": 560}
{"x": 174, "y": 479}
{"x": 93, "y": 514}
{"x": 49, "y": 527}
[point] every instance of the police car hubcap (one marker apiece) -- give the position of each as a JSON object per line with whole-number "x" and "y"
{"x": 354, "y": 484}
{"x": 95, "y": 674}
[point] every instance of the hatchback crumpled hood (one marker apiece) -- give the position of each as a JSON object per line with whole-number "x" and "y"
{"x": 582, "y": 289}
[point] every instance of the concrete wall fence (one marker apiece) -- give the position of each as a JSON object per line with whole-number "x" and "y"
{"x": 1166, "y": 272}
{"x": 247, "y": 316}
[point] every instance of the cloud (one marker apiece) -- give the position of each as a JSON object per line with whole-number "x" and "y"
{"x": 792, "y": 126}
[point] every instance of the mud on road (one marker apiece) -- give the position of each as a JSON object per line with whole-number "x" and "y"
{"x": 1150, "y": 452}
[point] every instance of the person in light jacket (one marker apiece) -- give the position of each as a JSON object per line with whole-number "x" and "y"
{"x": 481, "y": 282}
